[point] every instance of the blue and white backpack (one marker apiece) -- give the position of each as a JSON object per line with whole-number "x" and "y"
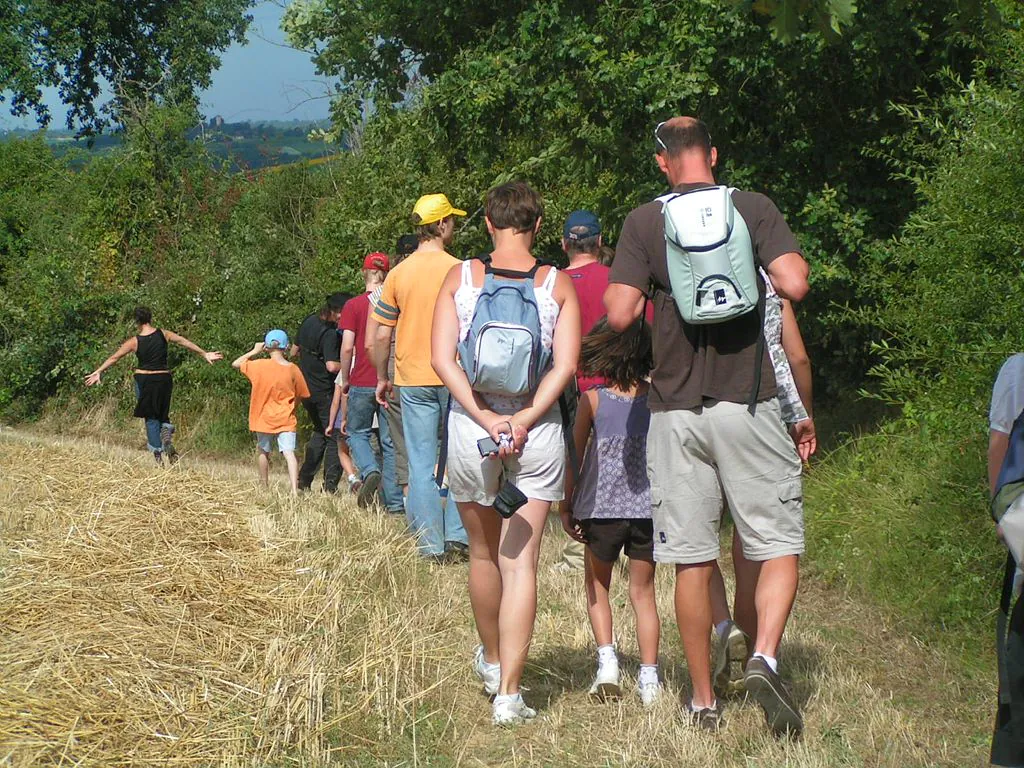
{"x": 710, "y": 255}
{"x": 502, "y": 353}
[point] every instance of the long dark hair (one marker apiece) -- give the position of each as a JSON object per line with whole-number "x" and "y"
{"x": 623, "y": 359}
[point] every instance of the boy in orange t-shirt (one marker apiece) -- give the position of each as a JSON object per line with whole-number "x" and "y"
{"x": 277, "y": 387}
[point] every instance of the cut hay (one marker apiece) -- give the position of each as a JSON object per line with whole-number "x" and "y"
{"x": 183, "y": 617}
{"x": 170, "y": 617}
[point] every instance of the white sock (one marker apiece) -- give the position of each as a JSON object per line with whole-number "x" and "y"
{"x": 771, "y": 661}
{"x": 648, "y": 673}
{"x": 508, "y": 698}
{"x": 721, "y": 628}
{"x": 606, "y": 655}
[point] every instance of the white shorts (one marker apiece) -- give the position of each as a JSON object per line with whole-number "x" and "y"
{"x": 285, "y": 441}
{"x": 539, "y": 472}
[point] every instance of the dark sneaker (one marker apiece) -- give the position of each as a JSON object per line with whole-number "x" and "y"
{"x": 706, "y": 718}
{"x": 167, "y": 443}
{"x": 730, "y": 656}
{"x": 765, "y": 685}
{"x": 456, "y": 551}
{"x": 368, "y": 490}
{"x": 159, "y": 460}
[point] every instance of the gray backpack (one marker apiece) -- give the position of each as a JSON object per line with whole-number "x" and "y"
{"x": 502, "y": 353}
{"x": 711, "y": 265}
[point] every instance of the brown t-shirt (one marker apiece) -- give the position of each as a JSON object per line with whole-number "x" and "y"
{"x": 697, "y": 364}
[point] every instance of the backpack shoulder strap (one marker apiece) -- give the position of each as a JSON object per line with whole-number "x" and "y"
{"x": 513, "y": 274}
{"x": 467, "y": 273}
{"x": 549, "y": 279}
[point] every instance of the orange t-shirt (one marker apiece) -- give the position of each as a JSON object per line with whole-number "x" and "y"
{"x": 275, "y": 390}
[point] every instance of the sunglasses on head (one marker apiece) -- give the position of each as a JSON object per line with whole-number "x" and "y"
{"x": 664, "y": 146}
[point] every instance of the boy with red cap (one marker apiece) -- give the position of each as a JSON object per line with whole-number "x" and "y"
{"x": 358, "y": 380}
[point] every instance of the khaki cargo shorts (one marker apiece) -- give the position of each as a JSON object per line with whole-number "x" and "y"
{"x": 699, "y": 460}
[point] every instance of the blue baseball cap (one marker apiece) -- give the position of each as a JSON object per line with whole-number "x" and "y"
{"x": 276, "y": 339}
{"x": 581, "y": 225}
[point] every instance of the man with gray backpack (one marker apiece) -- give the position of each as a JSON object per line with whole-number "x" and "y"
{"x": 716, "y": 433}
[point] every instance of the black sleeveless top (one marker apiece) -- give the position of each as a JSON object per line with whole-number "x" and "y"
{"x": 152, "y": 352}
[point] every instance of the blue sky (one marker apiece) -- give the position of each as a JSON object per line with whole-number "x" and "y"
{"x": 262, "y": 80}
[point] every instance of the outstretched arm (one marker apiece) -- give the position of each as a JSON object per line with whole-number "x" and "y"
{"x": 126, "y": 348}
{"x": 181, "y": 341}
{"x": 256, "y": 349}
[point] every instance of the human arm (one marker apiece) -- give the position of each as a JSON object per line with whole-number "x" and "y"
{"x": 181, "y": 341}
{"x": 256, "y": 349}
{"x": 126, "y": 348}
{"x": 789, "y": 273}
{"x": 381, "y": 353}
{"x": 797, "y": 376}
{"x": 796, "y": 354}
{"x": 565, "y": 355}
{"x": 624, "y": 304}
{"x": 581, "y": 435}
{"x": 337, "y": 405}
{"x": 998, "y": 443}
{"x": 348, "y": 346}
{"x": 629, "y": 279}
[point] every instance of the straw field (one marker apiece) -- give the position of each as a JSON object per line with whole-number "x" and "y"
{"x": 183, "y": 617}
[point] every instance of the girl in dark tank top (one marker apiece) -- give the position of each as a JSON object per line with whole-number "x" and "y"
{"x": 153, "y": 383}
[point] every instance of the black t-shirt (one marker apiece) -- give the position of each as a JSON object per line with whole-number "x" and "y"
{"x": 319, "y": 344}
{"x": 695, "y": 364}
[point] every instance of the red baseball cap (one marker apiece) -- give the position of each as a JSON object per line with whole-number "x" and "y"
{"x": 377, "y": 260}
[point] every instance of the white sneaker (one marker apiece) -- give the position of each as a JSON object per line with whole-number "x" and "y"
{"x": 606, "y": 681}
{"x": 489, "y": 674}
{"x": 511, "y": 710}
{"x": 649, "y": 691}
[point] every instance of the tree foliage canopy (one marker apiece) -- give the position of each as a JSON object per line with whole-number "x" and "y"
{"x": 143, "y": 48}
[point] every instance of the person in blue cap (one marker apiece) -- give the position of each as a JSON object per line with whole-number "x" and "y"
{"x": 277, "y": 388}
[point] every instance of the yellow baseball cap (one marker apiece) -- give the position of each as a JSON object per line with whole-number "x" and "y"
{"x": 431, "y": 208}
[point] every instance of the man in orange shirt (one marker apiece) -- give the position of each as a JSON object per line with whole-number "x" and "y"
{"x": 277, "y": 387}
{"x": 406, "y": 308}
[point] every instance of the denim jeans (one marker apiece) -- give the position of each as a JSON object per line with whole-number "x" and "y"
{"x": 153, "y": 441}
{"x": 362, "y": 405}
{"x": 434, "y": 521}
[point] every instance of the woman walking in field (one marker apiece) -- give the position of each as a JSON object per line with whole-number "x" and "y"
{"x": 153, "y": 382}
{"x": 506, "y": 452}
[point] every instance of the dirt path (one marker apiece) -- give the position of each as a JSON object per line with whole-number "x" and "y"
{"x": 183, "y": 617}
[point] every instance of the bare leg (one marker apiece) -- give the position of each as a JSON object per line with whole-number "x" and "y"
{"x": 597, "y": 575}
{"x": 645, "y": 607}
{"x": 483, "y": 527}
{"x": 346, "y": 459}
{"x": 263, "y": 462}
{"x": 517, "y": 560}
{"x": 747, "y": 573}
{"x": 719, "y": 600}
{"x": 693, "y": 615}
{"x": 776, "y": 592}
{"x": 293, "y": 470}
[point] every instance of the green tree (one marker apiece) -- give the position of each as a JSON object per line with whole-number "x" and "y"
{"x": 142, "y": 48}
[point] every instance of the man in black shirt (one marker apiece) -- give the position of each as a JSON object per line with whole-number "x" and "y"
{"x": 319, "y": 349}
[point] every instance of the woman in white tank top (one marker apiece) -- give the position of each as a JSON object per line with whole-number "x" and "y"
{"x": 503, "y": 554}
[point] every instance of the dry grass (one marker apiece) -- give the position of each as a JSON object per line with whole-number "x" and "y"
{"x": 164, "y": 617}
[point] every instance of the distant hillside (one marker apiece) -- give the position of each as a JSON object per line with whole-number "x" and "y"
{"x": 246, "y": 145}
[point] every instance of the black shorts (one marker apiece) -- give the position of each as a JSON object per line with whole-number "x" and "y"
{"x": 607, "y": 537}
